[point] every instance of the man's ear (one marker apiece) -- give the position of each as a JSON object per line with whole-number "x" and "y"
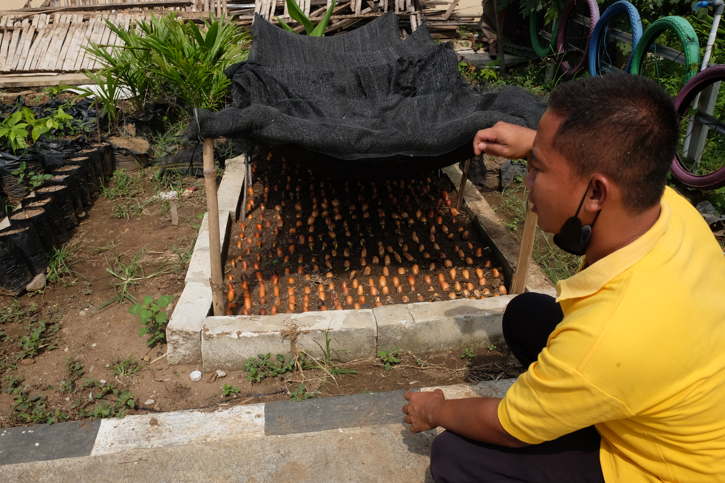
{"x": 600, "y": 190}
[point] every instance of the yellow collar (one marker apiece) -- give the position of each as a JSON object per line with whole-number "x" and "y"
{"x": 595, "y": 276}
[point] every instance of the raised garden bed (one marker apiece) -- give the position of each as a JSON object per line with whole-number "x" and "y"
{"x": 312, "y": 243}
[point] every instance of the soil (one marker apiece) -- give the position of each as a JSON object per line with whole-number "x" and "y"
{"x": 311, "y": 243}
{"x": 98, "y": 333}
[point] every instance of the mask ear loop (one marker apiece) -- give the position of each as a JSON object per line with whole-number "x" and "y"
{"x": 581, "y": 202}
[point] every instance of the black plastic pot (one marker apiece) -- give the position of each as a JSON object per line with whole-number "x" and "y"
{"x": 15, "y": 272}
{"x": 73, "y": 191}
{"x": 33, "y": 250}
{"x": 61, "y": 196}
{"x": 38, "y": 220}
{"x": 92, "y": 177}
{"x": 76, "y": 176}
{"x": 57, "y": 221}
{"x": 107, "y": 158}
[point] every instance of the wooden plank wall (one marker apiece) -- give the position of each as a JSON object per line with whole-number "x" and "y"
{"x": 55, "y": 43}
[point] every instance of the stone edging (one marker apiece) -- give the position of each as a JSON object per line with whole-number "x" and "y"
{"x": 226, "y": 341}
{"x": 45, "y": 442}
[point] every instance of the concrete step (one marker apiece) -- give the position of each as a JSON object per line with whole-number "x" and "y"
{"x": 356, "y": 438}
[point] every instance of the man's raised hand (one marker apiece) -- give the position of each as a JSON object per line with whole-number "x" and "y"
{"x": 504, "y": 139}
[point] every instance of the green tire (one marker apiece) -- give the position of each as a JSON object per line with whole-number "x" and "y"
{"x": 542, "y": 49}
{"x": 686, "y": 36}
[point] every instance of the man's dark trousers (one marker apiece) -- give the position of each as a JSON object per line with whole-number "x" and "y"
{"x": 527, "y": 323}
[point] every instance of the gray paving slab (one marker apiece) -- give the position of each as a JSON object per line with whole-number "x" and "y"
{"x": 47, "y": 441}
{"x": 368, "y": 409}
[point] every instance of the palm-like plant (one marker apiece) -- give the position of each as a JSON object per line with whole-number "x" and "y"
{"x": 311, "y": 29}
{"x": 167, "y": 59}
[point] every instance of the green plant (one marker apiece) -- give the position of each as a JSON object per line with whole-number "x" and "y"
{"x": 110, "y": 401}
{"x": 106, "y": 95}
{"x": 311, "y": 29}
{"x": 492, "y": 347}
{"x": 128, "y": 273}
{"x": 327, "y": 363}
{"x": 38, "y": 339}
{"x": 30, "y": 177}
{"x": 126, "y": 367}
{"x": 389, "y": 358}
{"x": 468, "y": 354}
{"x": 263, "y": 366}
{"x": 229, "y": 390}
{"x": 61, "y": 261}
{"x": 122, "y": 185}
{"x": 152, "y": 314}
{"x": 15, "y": 312}
{"x": 74, "y": 369}
{"x": 33, "y": 409}
{"x": 166, "y": 59}
{"x": 301, "y": 393}
{"x": 14, "y": 131}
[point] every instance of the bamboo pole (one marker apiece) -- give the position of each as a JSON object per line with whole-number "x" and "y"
{"x": 215, "y": 257}
{"x": 518, "y": 283}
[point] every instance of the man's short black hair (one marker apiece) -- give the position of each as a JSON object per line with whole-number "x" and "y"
{"x": 621, "y": 125}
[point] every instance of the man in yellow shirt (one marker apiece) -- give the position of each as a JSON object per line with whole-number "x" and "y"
{"x": 626, "y": 368}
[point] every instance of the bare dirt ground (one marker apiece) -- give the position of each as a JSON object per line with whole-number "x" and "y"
{"x": 74, "y": 351}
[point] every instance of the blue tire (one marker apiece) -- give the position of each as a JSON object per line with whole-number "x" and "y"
{"x": 598, "y": 39}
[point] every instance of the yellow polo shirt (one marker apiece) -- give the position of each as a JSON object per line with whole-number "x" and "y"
{"x": 640, "y": 354}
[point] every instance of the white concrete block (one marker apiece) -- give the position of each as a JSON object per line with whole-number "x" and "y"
{"x": 230, "y": 188}
{"x": 183, "y": 332}
{"x": 199, "y": 270}
{"x": 441, "y": 326}
{"x": 228, "y": 341}
{"x": 177, "y": 428}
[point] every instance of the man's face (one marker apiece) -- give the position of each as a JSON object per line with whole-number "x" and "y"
{"x": 554, "y": 189}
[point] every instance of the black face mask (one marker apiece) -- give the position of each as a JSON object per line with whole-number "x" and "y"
{"x": 574, "y": 237}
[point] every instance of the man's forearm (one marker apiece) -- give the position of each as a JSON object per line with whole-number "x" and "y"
{"x": 474, "y": 418}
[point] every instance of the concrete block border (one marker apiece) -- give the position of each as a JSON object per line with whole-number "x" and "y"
{"x": 225, "y": 342}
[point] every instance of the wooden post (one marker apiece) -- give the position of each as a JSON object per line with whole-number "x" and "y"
{"x": 215, "y": 257}
{"x": 518, "y": 283}
{"x": 462, "y": 186}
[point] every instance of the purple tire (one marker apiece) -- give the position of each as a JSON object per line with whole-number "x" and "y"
{"x": 683, "y": 101}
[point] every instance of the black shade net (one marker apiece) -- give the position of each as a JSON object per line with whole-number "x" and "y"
{"x": 361, "y": 97}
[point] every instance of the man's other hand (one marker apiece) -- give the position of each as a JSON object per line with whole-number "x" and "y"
{"x": 504, "y": 139}
{"x": 421, "y": 408}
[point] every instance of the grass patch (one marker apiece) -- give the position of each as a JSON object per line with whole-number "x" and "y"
{"x": 61, "y": 263}
{"x": 15, "y": 312}
{"x": 126, "y": 368}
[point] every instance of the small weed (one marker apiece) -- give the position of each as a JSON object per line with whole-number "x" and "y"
{"x": 389, "y": 358}
{"x": 16, "y": 312}
{"x": 327, "y": 363}
{"x": 152, "y": 314}
{"x": 33, "y": 409}
{"x": 110, "y": 401}
{"x": 468, "y": 354}
{"x": 492, "y": 347}
{"x": 128, "y": 273}
{"x": 301, "y": 393}
{"x": 183, "y": 256}
{"x": 127, "y": 208}
{"x": 229, "y": 390}
{"x": 61, "y": 261}
{"x": 122, "y": 185}
{"x": 38, "y": 339}
{"x": 11, "y": 383}
{"x": 263, "y": 366}
{"x": 126, "y": 368}
{"x": 75, "y": 371}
